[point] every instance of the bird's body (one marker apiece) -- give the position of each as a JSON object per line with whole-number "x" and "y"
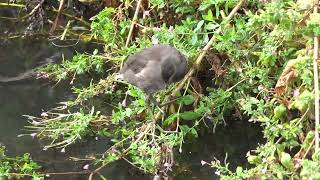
{"x": 154, "y": 68}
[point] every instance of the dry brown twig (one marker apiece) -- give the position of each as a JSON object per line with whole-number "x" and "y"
{"x": 316, "y": 82}
{"x": 54, "y": 26}
{"x": 135, "y": 17}
{"x": 33, "y": 10}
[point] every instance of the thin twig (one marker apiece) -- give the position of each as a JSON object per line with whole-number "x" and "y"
{"x": 309, "y": 148}
{"x": 135, "y": 17}
{"x": 141, "y": 135}
{"x": 96, "y": 171}
{"x": 137, "y": 167}
{"x": 65, "y": 31}
{"x": 73, "y": 17}
{"x": 203, "y": 53}
{"x": 33, "y": 10}
{"x": 316, "y": 83}
{"x": 8, "y": 18}
{"x": 48, "y": 174}
{"x": 70, "y": 173}
{"x": 12, "y": 5}
{"x": 229, "y": 89}
{"x": 54, "y": 26}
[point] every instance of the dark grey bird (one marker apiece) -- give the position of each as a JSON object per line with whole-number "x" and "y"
{"x": 154, "y": 68}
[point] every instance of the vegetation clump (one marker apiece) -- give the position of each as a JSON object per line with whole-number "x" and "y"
{"x": 256, "y": 55}
{"x": 18, "y": 167}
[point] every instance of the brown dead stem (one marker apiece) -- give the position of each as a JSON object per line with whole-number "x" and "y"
{"x": 56, "y": 21}
{"x": 316, "y": 82}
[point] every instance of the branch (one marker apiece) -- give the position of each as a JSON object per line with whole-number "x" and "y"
{"x": 54, "y": 26}
{"x": 73, "y": 17}
{"x": 33, "y": 10}
{"x": 12, "y": 5}
{"x": 133, "y": 22}
{"x": 316, "y": 82}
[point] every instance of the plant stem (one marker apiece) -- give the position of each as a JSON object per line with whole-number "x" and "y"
{"x": 12, "y": 5}
{"x": 316, "y": 83}
{"x": 73, "y": 17}
{"x": 133, "y": 22}
{"x": 53, "y": 28}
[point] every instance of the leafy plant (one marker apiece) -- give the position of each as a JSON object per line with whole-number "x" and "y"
{"x": 18, "y": 167}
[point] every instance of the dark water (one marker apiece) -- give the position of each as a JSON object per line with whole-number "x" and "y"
{"x": 31, "y": 96}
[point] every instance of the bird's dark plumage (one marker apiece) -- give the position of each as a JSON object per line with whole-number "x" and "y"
{"x": 154, "y": 68}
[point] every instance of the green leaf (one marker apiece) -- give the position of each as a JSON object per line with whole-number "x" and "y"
{"x": 184, "y": 129}
{"x": 303, "y": 101}
{"x": 279, "y": 111}
{"x": 211, "y": 26}
{"x": 286, "y": 161}
{"x": 308, "y": 140}
{"x": 170, "y": 119}
{"x": 186, "y": 100}
{"x": 204, "y": 6}
{"x": 199, "y": 25}
{"x": 254, "y": 159}
{"x": 217, "y": 11}
{"x": 316, "y": 156}
{"x": 189, "y": 115}
{"x": 193, "y": 132}
{"x": 194, "y": 39}
{"x": 209, "y": 16}
{"x": 239, "y": 170}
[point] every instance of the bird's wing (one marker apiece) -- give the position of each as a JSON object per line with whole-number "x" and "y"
{"x": 135, "y": 63}
{"x": 167, "y": 71}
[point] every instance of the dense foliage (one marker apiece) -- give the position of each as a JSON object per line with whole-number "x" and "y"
{"x": 18, "y": 167}
{"x": 259, "y": 68}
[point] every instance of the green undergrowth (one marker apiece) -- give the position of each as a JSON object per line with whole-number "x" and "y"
{"x": 260, "y": 65}
{"x": 18, "y": 167}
